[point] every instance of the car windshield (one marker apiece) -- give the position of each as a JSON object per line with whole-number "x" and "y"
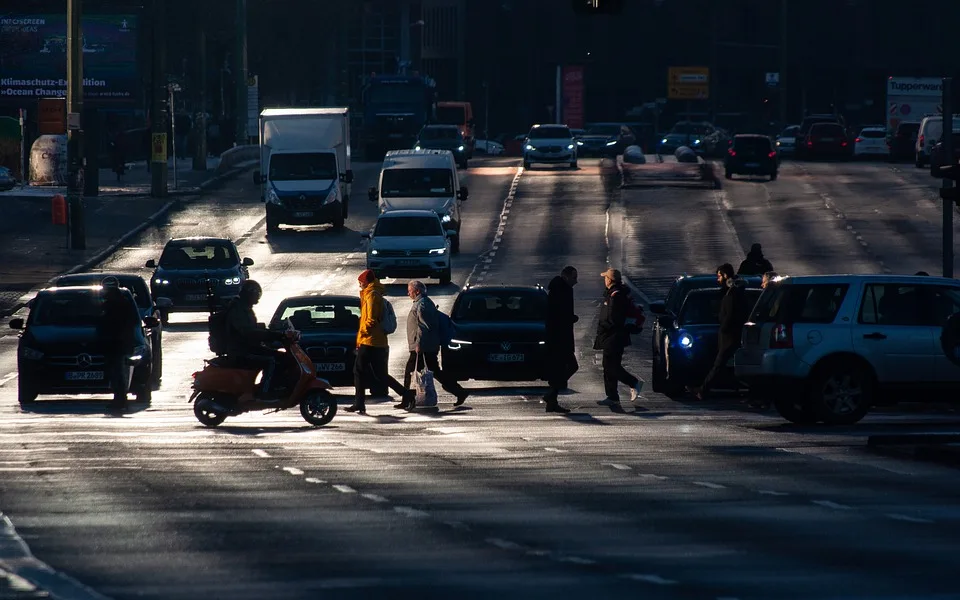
{"x": 752, "y": 144}
{"x": 702, "y": 307}
{"x": 396, "y": 93}
{"x": 826, "y": 129}
{"x": 303, "y": 167}
{"x": 550, "y": 133}
{"x": 201, "y": 256}
{"x": 790, "y": 132}
{"x": 451, "y": 115}
{"x": 603, "y": 130}
{"x": 316, "y": 315}
{"x": 416, "y": 183}
{"x": 81, "y": 308}
{"x": 873, "y": 133}
{"x": 408, "y": 227}
{"x": 136, "y": 285}
{"x": 494, "y": 306}
{"x": 440, "y": 133}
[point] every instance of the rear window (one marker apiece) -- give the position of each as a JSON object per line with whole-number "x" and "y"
{"x": 873, "y": 133}
{"x": 751, "y": 144}
{"x": 826, "y": 129}
{"x": 501, "y": 306}
{"x": 800, "y": 303}
{"x": 905, "y": 129}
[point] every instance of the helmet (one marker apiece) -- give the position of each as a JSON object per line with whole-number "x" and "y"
{"x": 251, "y": 291}
{"x": 110, "y": 282}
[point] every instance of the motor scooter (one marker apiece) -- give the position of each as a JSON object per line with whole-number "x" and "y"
{"x": 227, "y": 388}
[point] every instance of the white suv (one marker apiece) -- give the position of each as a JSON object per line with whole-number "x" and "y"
{"x": 549, "y": 144}
{"x": 829, "y": 347}
{"x": 409, "y": 243}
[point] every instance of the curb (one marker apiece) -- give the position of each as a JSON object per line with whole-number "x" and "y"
{"x": 206, "y": 186}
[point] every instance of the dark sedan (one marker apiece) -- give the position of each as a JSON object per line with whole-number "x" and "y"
{"x": 604, "y": 139}
{"x": 145, "y": 304}
{"x": 751, "y": 154}
{"x": 827, "y": 140}
{"x": 903, "y": 143}
{"x": 328, "y": 326}
{"x": 667, "y": 312}
{"x": 499, "y": 334}
{"x": 444, "y": 137}
{"x": 690, "y": 341}
{"x": 59, "y": 351}
{"x": 190, "y": 269}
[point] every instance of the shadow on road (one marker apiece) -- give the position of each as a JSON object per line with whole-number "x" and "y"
{"x": 78, "y": 407}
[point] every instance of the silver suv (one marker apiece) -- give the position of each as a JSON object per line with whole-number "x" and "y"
{"x": 829, "y": 347}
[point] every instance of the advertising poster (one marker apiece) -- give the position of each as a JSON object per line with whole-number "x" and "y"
{"x": 33, "y": 58}
{"x": 572, "y": 91}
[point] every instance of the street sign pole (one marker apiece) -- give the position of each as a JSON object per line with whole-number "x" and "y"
{"x": 947, "y": 183}
{"x": 76, "y": 229}
{"x": 23, "y": 148}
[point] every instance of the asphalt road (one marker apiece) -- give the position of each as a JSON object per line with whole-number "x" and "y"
{"x": 669, "y": 499}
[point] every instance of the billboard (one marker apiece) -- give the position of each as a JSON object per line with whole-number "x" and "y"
{"x": 33, "y": 58}
{"x": 572, "y": 92}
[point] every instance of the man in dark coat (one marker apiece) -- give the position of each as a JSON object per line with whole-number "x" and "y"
{"x": 613, "y": 338}
{"x": 561, "y": 348}
{"x": 755, "y": 263}
{"x": 734, "y": 311}
{"x": 116, "y": 335}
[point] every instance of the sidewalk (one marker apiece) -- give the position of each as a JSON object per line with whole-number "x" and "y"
{"x": 136, "y": 181}
{"x": 35, "y": 250}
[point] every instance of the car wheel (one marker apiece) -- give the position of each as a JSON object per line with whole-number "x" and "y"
{"x": 144, "y": 393}
{"x": 455, "y": 244}
{"x": 573, "y": 165}
{"x": 25, "y": 393}
{"x": 446, "y": 277}
{"x": 773, "y": 176}
{"x": 526, "y": 164}
{"x": 338, "y": 223}
{"x": 841, "y": 392}
{"x": 794, "y": 409}
{"x": 659, "y": 382}
{"x": 464, "y": 165}
{"x": 157, "y": 373}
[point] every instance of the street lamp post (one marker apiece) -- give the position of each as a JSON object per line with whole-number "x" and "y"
{"x": 77, "y": 228}
{"x": 783, "y": 63}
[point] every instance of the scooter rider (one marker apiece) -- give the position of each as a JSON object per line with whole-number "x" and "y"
{"x": 245, "y": 336}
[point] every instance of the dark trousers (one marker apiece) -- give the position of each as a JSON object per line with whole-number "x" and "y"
{"x": 614, "y": 373}
{"x": 416, "y": 362}
{"x": 561, "y": 366}
{"x": 117, "y": 370}
{"x": 724, "y": 354}
{"x": 370, "y": 370}
{"x": 265, "y": 362}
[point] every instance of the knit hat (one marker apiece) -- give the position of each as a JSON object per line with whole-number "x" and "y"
{"x": 367, "y": 277}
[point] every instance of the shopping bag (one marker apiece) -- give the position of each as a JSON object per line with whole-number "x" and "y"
{"x": 426, "y": 392}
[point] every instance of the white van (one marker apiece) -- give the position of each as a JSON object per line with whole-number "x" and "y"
{"x": 422, "y": 180}
{"x": 931, "y": 128}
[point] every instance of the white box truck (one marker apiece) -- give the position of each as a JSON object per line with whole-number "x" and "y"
{"x": 305, "y": 174}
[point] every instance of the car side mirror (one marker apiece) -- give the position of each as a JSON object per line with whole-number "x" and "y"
{"x": 365, "y": 235}
{"x": 164, "y": 303}
{"x": 257, "y": 180}
{"x": 464, "y": 193}
{"x": 347, "y": 177}
{"x": 151, "y": 322}
{"x": 658, "y": 308}
{"x": 372, "y": 194}
{"x": 247, "y": 262}
{"x": 449, "y": 233}
{"x": 151, "y": 264}
{"x": 16, "y": 323}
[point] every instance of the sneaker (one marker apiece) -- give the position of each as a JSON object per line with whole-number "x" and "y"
{"x": 609, "y": 402}
{"x": 636, "y": 390}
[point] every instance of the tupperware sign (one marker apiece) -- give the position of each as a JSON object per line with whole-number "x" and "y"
{"x": 33, "y": 58}
{"x": 914, "y": 86}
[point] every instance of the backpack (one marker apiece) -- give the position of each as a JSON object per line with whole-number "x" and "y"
{"x": 217, "y": 328}
{"x": 444, "y": 327}
{"x": 388, "y": 320}
{"x": 633, "y": 324}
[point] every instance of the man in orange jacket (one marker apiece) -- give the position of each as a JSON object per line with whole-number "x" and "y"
{"x": 371, "y": 343}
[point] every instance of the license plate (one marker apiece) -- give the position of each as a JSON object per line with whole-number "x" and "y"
{"x": 408, "y": 262}
{"x": 84, "y": 375}
{"x": 505, "y": 358}
{"x": 303, "y": 214}
{"x": 328, "y": 367}
{"x": 194, "y": 297}
{"x": 752, "y": 165}
{"x": 828, "y": 140}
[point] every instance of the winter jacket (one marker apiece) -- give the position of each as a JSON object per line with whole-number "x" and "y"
{"x": 371, "y": 312}
{"x": 560, "y": 317}
{"x": 244, "y": 334}
{"x": 754, "y": 264}
{"x": 611, "y": 330}
{"x": 120, "y": 317}
{"x": 423, "y": 326}
{"x": 733, "y": 312}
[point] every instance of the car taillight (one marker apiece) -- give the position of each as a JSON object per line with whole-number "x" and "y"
{"x": 781, "y": 336}
{"x": 810, "y": 143}
{"x": 771, "y": 154}
{"x": 920, "y": 141}
{"x": 732, "y": 152}
{"x": 858, "y": 140}
{"x": 843, "y": 143}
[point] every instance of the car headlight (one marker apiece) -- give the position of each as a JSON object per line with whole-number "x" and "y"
{"x": 231, "y": 281}
{"x": 445, "y": 218}
{"x": 579, "y": 143}
{"x": 30, "y": 353}
{"x": 570, "y": 147}
{"x": 438, "y": 251}
{"x": 374, "y": 252}
{"x": 778, "y": 142}
{"x": 458, "y": 344}
{"x": 138, "y": 355}
{"x": 612, "y": 143}
{"x": 459, "y": 148}
{"x": 272, "y": 197}
{"x": 332, "y": 196}
{"x": 663, "y": 141}
{"x": 530, "y": 147}
{"x": 695, "y": 142}
{"x": 417, "y": 147}
{"x": 685, "y": 340}
{"x": 159, "y": 281}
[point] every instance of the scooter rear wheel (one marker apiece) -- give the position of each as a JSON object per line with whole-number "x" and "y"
{"x": 205, "y": 413}
{"x": 318, "y": 408}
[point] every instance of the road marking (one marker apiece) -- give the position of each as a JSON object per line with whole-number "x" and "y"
{"x": 293, "y": 470}
{"x": 554, "y": 450}
{"x": 374, "y": 497}
{"x": 261, "y": 453}
{"x": 707, "y": 484}
{"x": 411, "y": 512}
{"x": 457, "y": 525}
{"x": 346, "y": 489}
{"x": 650, "y": 579}
{"x": 503, "y": 544}
{"x": 314, "y": 480}
{"x": 7, "y": 378}
{"x": 577, "y": 560}
{"x": 829, "y": 504}
{"x": 538, "y": 553}
{"x": 907, "y": 518}
{"x": 652, "y": 476}
{"x": 772, "y": 493}
{"x": 32, "y": 469}
{"x": 617, "y": 466}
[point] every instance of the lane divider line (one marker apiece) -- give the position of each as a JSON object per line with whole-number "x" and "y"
{"x": 907, "y": 518}
{"x": 707, "y": 484}
{"x": 498, "y": 234}
{"x": 374, "y": 498}
{"x": 261, "y": 453}
{"x": 411, "y": 512}
{"x": 7, "y": 378}
{"x": 314, "y": 480}
{"x": 831, "y": 504}
{"x": 617, "y": 466}
{"x": 346, "y": 489}
{"x": 650, "y": 579}
{"x": 771, "y": 493}
{"x": 293, "y": 470}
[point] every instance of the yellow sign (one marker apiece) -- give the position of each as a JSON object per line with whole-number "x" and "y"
{"x": 158, "y": 148}
{"x": 688, "y": 83}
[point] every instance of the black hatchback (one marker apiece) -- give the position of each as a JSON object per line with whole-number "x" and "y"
{"x": 751, "y": 154}
{"x": 499, "y": 334}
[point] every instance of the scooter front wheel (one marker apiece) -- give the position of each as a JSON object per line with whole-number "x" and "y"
{"x": 205, "y": 412}
{"x": 318, "y": 407}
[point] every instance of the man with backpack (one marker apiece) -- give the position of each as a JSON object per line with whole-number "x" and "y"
{"x": 619, "y": 317}
{"x": 377, "y": 320}
{"x": 424, "y": 337}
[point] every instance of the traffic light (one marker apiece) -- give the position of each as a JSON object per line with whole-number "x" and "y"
{"x": 597, "y": 7}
